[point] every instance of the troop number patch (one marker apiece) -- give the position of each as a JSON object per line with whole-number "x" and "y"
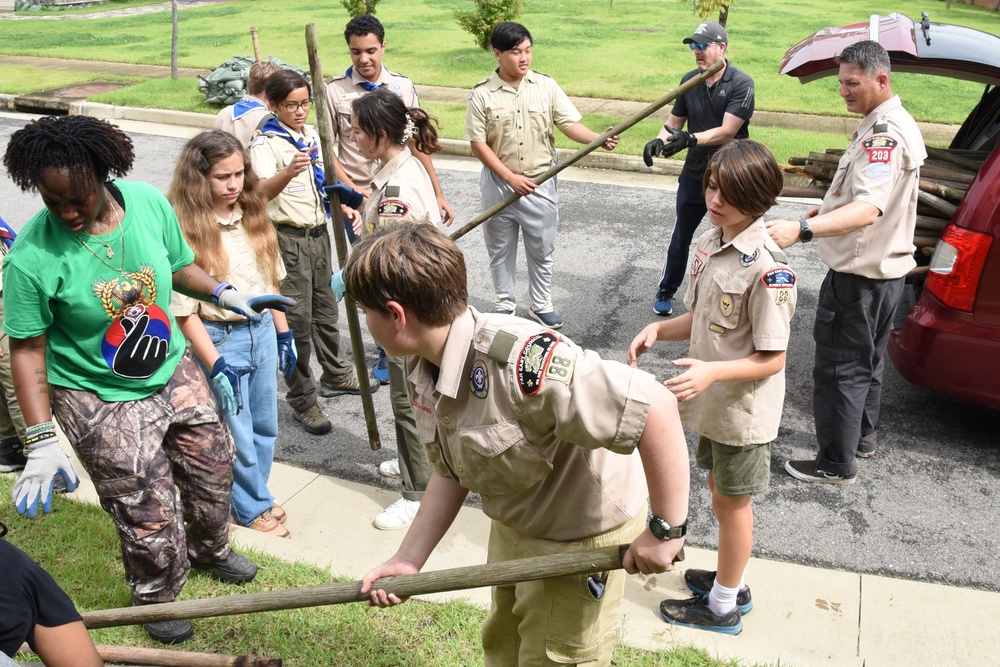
{"x": 879, "y": 147}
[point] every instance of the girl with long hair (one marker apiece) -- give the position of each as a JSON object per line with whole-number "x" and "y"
{"x": 223, "y": 214}
{"x": 401, "y": 192}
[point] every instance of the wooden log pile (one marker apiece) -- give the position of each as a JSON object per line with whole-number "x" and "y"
{"x": 944, "y": 179}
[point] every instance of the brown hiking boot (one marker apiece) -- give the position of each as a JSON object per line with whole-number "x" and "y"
{"x": 347, "y": 386}
{"x": 313, "y": 420}
{"x": 266, "y": 523}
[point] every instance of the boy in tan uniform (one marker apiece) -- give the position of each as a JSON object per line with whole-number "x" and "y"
{"x": 740, "y": 303}
{"x": 544, "y": 431}
{"x": 508, "y": 122}
{"x": 365, "y": 38}
{"x": 243, "y": 118}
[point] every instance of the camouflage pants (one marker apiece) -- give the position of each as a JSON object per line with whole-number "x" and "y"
{"x": 163, "y": 468}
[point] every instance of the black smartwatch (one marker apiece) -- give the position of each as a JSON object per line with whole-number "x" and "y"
{"x": 663, "y": 531}
{"x": 805, "y": 231}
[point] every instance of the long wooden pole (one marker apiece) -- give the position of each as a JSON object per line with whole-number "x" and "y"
{"x": 592, "y": 146}
{"x": 256, "y": 43}
{"x": 460, "y": 578}
{"x": 324, "y": 126}
{"x": 129, "y": 655}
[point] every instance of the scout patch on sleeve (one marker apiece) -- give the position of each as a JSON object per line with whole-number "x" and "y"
{"x": 503, "y": 343}
{"x": 258, "y": 141}
{"x": 393, "y": 208}
{"x": 561, "y": 367}
{"x": 779, "y": 277}
{"x": 781, "y": 296}
{"x": 879, "y": 147}
{"x": 479, "y": 379}
{"x": 533, "y": 361}
{"x": 392, "y": 191}
{"x": 878, "y": 171}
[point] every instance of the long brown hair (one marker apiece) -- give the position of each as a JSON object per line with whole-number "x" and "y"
{"x": 191, "y": 197}
{"x": 382, "y": 114}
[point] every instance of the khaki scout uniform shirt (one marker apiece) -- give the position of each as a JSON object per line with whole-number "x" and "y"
{"x": 741, "y": 297}
{"x": 402, "y": 192}
{"x": 245, "y": 274}
{"x": 881, "y": 167}
{"x": 543, "y": 430}
{"x": 300, "y": 203}
{"x": 516, "y": 123}
{"x": 243, "y": 127}
{"x": 340, "y": 94}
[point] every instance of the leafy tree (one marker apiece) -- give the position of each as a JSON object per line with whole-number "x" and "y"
{"x": 355, "y": 7}
{"x": 479, "y": 22}
{"x": 708, "y": 9}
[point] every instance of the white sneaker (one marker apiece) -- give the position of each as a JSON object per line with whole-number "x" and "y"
{"x": 390, "y": 469}
{"x": 397, "y": 515}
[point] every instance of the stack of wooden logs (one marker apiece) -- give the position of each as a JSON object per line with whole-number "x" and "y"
{"x": 944, "y": 179}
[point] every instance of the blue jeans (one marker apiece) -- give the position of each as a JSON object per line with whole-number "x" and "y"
{"x": 255, "y": 428}
{"x": 690, "y": 211}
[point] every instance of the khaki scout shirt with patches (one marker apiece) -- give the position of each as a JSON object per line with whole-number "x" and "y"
{"x": 881, "y": 166}
{"x": 245, "y": 274}
{"x": 402, "y": 192}
{"x": 516, "y": 123}
{"x": 300, "y": 203}
{"x": 340, "y": 94}
{"x": 243, "y": 127}
{"x": 741, "y": 297}
{"x": 543, "y": 430}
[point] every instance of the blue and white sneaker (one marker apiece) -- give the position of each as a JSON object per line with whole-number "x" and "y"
{"x": 550, "y": 319}
{"x": 661, "y": 305}
{"x": 701, "y": 582}
{"x": 381, "y": 370}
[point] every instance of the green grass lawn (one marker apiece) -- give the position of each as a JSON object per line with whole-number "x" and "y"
{"x": 78, "y": 546}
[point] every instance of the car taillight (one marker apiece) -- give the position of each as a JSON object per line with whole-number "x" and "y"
{"x": 956, "y": 265}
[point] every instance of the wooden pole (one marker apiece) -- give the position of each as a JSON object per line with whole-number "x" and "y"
{"x": 592, "y": 146}
{"x": 168, "y": 658}
{"x": 473, "y": 576}
{"x": 324, "y": 126}
{"x": 256, "y": 44}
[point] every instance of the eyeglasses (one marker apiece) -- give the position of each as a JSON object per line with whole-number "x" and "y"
{"x": 699, "y": 46}
{"x": 292, "y": 107}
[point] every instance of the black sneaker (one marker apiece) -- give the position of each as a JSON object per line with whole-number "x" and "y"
{"x": 661, "y": 304}
{"x": 866, "y": 448}
{"x": 12, "y": 456}
{"x": 694, "y": 613}
{"x": 808, "y": 472}
{"x": 550, "y": 319}
{"x": 169, "y": 632}
{"x": 701, "y": 582}
{"x": 235, "y": 569}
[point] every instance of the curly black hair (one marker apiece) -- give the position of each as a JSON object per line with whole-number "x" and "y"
{"x": 89, "y": 148}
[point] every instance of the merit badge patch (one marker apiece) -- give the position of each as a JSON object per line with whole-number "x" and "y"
{"x": 726, "y": 305}
{"x": 879, "y": 147}
{"x": 778, "y": 277}
{"x": 533, "y": 361}
{"x": 479, "y": 380}
{"x": 748, "y": 260}
{"x": 393, "y": 208}
{"x": 717, "y": 328}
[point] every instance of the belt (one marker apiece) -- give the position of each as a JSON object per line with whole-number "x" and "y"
{"x": 302, "y": 232}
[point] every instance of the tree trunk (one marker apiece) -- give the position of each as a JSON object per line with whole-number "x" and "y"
{"x": 723, "y": 15}
{"x": 173, "y": 41}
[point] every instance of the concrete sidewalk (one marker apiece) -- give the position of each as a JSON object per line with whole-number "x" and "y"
{"x": 802, "y": 616}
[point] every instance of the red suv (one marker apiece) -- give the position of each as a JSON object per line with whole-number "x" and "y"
{"x": 950, "y": 340}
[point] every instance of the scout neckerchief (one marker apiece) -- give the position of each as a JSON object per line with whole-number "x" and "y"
{"x": 245, "y": 106}
{"x": 274, "y": 128}
{"x": 364, "y": 83}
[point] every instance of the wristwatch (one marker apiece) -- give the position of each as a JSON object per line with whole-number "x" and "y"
{"x": 805, "y": 231}
{"x": 663, "y": 531}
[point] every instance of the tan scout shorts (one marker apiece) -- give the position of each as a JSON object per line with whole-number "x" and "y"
{"x": 737, "y": 471}
{"x": 555, "y": 621}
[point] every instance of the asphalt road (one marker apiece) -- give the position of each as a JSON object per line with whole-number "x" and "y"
{"x": 924, "y": 508}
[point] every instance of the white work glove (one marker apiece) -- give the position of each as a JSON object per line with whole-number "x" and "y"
{"x": 46, "y": 459}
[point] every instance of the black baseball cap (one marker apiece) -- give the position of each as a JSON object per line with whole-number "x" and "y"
{"x": 708, "y": 32}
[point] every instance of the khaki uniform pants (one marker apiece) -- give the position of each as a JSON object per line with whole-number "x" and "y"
{"x": 414, "y": 466}
{"x": 555, "y": 621}
{"x": 313, "y": 318}
{"x": 11, "y": 420}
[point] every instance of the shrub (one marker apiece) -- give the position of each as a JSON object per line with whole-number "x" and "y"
{"x": 355, "y": 7}
{"x": 479, "y": 22}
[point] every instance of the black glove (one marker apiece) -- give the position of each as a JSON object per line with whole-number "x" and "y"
{"x": 348, "y": 196}
{"x": 678, "y": 141}
{"x": 651, "y": 150}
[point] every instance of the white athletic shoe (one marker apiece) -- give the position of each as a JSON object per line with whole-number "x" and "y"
{"x": 400, "y": 514}
{"x": 390, "y": 469}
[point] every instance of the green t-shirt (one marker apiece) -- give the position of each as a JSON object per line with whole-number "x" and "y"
{"x": 108, "y": 331}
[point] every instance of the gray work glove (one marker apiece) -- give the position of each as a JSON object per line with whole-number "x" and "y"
{"x": 46, "y": 459}
{"x": 249, "y": 305}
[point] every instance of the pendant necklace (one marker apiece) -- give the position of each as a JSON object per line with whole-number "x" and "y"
{"x": 107, "y": 246}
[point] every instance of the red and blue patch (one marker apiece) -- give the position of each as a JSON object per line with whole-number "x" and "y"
{"x": 779, "y": 278}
